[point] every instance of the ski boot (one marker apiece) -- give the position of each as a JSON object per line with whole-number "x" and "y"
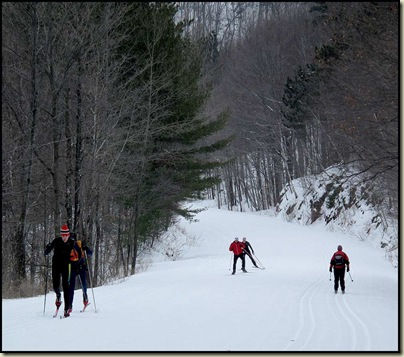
{"x": 58, "y": 301}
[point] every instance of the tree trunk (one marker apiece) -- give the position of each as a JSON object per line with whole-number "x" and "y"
{"x": 69, "y": 168}
{"x": 79, "y": 152}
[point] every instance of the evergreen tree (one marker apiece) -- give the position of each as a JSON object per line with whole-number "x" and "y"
{"x": 298, "y": 95}
{"x": 164, "y": 160}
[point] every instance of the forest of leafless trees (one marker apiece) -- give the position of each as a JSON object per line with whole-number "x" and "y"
{"x": 113, "y": 113}
{"x": 340, "y": 62}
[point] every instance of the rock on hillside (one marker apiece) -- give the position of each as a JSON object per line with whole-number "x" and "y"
{"x": 344, "y": 203}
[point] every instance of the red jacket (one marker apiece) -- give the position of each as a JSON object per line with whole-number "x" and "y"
{"x": 237, "y": 247}
{"x": 336, "y": 260}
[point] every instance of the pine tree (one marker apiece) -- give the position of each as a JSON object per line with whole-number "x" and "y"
{"x": 165, "y": 157}
{"x": 298, "y": 95}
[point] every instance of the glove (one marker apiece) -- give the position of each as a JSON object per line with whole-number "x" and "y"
{"x": 347, "y": 269}
{"x": 330, "y": 269}
{"x": 48, "y": 249}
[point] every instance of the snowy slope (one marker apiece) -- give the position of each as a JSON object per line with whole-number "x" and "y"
{"x": 346, "y": 205}
{"x": 194, "y": 304}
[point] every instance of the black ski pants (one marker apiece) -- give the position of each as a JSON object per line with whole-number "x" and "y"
{"x": 241, "y": 256}
{"x": 339, "y": 275}
{"x": 61, "y": 269}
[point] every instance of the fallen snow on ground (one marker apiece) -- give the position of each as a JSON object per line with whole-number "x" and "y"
{"x": 195, "y": 304}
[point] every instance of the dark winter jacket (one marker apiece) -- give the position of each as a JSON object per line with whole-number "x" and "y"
{"x": 237, "y": 247}
{"x": 61, "y": 250}
{"x": 339, "y": 259}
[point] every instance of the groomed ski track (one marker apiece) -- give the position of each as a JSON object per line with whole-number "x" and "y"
{"x": 195, "y": 304}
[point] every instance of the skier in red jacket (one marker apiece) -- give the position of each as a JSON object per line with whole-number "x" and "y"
{"x": 237, "y": 248}
{"x": 338, "y": 260}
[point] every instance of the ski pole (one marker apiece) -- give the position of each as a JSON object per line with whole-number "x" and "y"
{"x": 330, "y": 276}
{"x": 245, "y": 252}
{"x": 350, "y": 276}
{"x": 231, "y": 256}
{"x": 262, "y": 265}
{"x": 91, "y": 283}
{"x": 46, "y": 283}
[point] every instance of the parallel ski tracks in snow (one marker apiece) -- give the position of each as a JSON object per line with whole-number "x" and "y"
{"x": 306, "y": 321}
{"x": 306, "y": 302}
{"x": 359, "y": 341}
{"x": 366, "y": 334}
{"x": 351, "y": 332}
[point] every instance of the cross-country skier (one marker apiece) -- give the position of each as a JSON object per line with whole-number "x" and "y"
{"x": 61, "y": 247}
{"x": 79, "y": 268}
{"x": 237, "y": 248}
{"x": 338, "y": 260}
{"x": 247, "y": 251}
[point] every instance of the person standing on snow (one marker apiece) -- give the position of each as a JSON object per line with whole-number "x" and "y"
{"x": 338, "y": 260}
{"x": 62, "y": 247}
{"x": 248, "y": 252}
{"x": 79, "y": 268}
{"x": 237, "y": 248}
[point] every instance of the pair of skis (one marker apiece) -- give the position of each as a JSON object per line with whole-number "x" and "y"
{"x": 63, "y": 317}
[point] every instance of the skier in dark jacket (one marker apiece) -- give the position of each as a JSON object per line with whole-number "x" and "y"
{"x": 78, "y": 263}
{"x": 62, "y": 247}
{"x": 338, "y": 260}
{"x": 237, "y": 248}
{"x": 248, "y": 252}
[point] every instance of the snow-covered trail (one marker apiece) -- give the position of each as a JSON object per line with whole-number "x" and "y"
{"x": 194, "y": 304}
{"x": 296, "y": 303}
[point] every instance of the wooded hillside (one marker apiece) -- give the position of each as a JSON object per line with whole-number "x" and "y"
{"x": 115, "y": 113}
